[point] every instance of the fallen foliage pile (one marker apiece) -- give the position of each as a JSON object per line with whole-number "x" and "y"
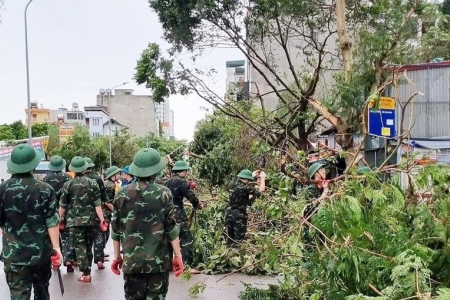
{"x": 371, "y": 240}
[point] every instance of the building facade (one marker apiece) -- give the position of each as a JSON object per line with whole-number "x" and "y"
{"x": 171, "y": 124}
{"x": 38, "y": 115}
{"x": 96, "y": 117}
{"x": 134, "y": 111}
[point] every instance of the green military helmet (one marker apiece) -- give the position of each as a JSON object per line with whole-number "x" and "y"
{"x": 90, "y": 163}
{"x": 180, "y": 166}
{"x": 363, "y": 170}
{"x": 314, "y": 168}
{"x": 57, "y": 163}
{"x": 113, "y": 170}
{"x": 23, "y": 159}
{"x": 147, "y": 162}
{"x": 78, "y": 165}
{"x": 245, "y": 174}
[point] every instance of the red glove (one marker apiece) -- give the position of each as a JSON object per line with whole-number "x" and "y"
{"x": 116, "y": 265}
{"x": 104, "y": 226}
{"x": 192, "y": 185}
{"x": 177, "y": 266}
{"x": 62, "y": 225}
{"x": 56, "y": 258}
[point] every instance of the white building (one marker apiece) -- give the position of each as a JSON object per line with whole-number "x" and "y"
{"x": 162, "y": 111}
{"x": 235, "y": 72}
{"x": 171, "y": 124}
{"x": 165, "y": 115}
{"x": 115, "y": 127}
{"x": 96, "y": 117}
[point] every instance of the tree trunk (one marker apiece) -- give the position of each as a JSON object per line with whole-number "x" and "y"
{"x": 343, "y": 37}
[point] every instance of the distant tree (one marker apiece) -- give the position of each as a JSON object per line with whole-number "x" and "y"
{"x": 38, "y": 130}
{"x": 6, "y": 133}
{"x": 19, "y": 130}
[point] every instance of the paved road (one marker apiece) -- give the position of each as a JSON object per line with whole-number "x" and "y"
{"x": 106, "y": 285}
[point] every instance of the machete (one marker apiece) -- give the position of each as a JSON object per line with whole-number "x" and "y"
{"x": 61, "y": 285}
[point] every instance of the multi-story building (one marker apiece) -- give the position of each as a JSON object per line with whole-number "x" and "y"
{"x": 162, "y": 111}
{"x": 237, "y": 87}
{"x": 171, "y": 124}
{"x": 38, "y": 115}
{"x": 134, "y": 111}
{"x": 95, "y": 119}
{"x": 302, "y": 57}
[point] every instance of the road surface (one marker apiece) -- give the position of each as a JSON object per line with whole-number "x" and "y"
{"x": 108, "y": 286}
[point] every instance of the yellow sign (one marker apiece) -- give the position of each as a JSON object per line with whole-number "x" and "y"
{"x": 385, "y": 103}
{"x": 66, "y": 130}
{"x": 385, "y": 131}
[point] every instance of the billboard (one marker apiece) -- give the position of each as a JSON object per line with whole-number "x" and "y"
{"x": 65, "y": 131}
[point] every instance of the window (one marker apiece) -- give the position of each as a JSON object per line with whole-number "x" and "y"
{"x": 80, "y": 116}
{"x": 127, "y": 93}
{"x": 72, "y": 116}
{"x": 95, "y": 122}
{"x": 95, "y": 134}
{"x": 34, "y": 117}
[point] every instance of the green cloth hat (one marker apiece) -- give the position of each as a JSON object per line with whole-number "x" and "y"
{"x": 180, "y": 166}
{"x": 147, "y": 162}
{"x": 78, "y": 165}
{"x": 23, "y": 159}
{"x": 314, "y": 168}
{"x": 89, "y": 162}
{"x": 113, "y": 170}
{"x": 57, "y": 163}
{"x": 245, "y": 174}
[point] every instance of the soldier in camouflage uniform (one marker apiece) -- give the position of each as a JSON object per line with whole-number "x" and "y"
{"x": 180, "y": 189}
{"x": 312, "y": 194}
{"x": 143, "y": 224}
{"x": 29, "y": 221}
{"x": 100, "y": 239}
{"x": 80, "y": 205}
{"x": 242, "y": 194}
{"x": 57, "y": 179}
{"x": 112, "y": 177}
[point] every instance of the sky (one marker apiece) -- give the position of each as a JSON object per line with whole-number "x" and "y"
{"x": 77, "y": 47}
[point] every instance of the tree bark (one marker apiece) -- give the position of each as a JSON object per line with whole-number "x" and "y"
{"x": 343, "y": 38}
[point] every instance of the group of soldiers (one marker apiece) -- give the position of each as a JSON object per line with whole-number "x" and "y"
{"x": 142, "y": 205}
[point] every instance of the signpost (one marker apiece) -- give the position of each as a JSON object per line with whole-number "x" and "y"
{"x": 382, "y": 122}
{"x": 65, "y": 131}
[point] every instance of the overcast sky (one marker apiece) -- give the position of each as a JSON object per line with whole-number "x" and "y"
{"x": 77, "y": 47}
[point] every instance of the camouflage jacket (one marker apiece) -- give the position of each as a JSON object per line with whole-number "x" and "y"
{"x": 79, "y": 197}
{"x": 57, "y": 180}
{"x": 311, "y": 193}
{"x": 144, "y": 223}
{"x": 101, "y": 185}
{"x": 27, "y": 209}
{"x": 180, "y": 189}
{"x": 110, "y": 190}
{"x": 239, "y": 195}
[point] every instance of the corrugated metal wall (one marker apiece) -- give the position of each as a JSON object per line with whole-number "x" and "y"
{"x": 430, "y": 112}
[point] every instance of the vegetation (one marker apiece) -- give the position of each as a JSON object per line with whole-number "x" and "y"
{"x": 123, "y": 147}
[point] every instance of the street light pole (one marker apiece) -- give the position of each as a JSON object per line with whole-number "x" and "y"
{"x": 30, "y": 136}
{"x": 142, "y": 107}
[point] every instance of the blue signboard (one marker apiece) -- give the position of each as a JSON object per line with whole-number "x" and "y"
{"x": 382, "y": 121}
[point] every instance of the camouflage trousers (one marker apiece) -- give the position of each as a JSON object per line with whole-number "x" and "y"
{"x": 186, "y": 239}
{"x": 21, "y": 279}
{"x": 236, "y": 225}
{"x": 68, "y": 251}
{"x": 82, "y": 239}
{"x": 146, "y": 286}
{"x": 99, "y": 245}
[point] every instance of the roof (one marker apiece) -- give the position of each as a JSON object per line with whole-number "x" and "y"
{"x": 425, "y": 66}
{"x": 114, "y": 122}
{"x": 431, "y": 143}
